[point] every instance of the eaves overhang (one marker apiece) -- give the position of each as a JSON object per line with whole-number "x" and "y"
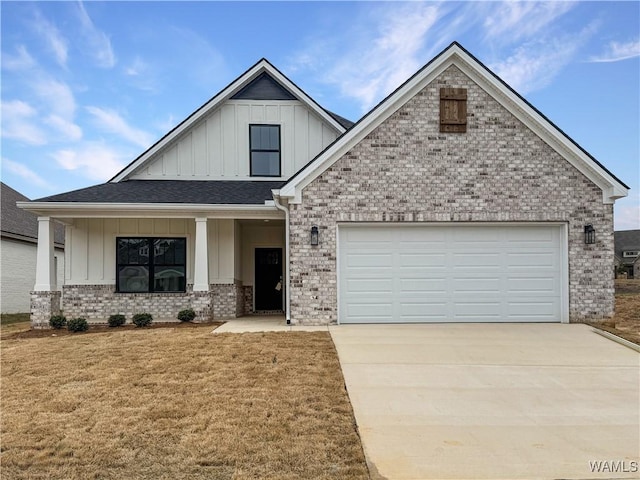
{"x": 612, "y": 188}
{"x": 65, "y": 210}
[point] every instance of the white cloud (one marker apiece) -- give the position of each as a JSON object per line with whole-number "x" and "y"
{"x": 533, "y": 65}
{"x": 512, "y": 20}
{"x": 22, "y": 60}
{"x": 25, "y": 172}
{"x": 93, "y": 160}
{"x": 383, "y": 56}
{"x": 57, "y": 95}
{"x": 68, "y": 129}
{"x": 616, "y": 52}
{"x": 96, "y": 40}
{"x": 627, "y": 213}
{"x": 136, "y": 68}
{"x": 19, "y": 122}
{"x": 54, "y": 39}
{"x": 112, "y": 122}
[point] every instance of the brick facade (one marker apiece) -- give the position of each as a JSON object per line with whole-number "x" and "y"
{"x": 97, "y": 302}
{"x": 43, "y": 306}
{"x": 405, "y": 170}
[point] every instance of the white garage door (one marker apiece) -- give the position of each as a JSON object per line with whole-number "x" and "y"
{"x": 454, "y": 273}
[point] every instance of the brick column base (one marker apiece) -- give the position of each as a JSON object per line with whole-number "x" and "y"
{"x": 43, "y": 306}
{"x": 202, "y": 304}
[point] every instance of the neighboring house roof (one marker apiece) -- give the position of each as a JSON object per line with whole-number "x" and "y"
{"x": 455, "y": 54}
{"x": 256, "y": 73}
{"x": 228, "y": 192}
{"x": 19, "y": 224}
{"x": 626, "y": 240}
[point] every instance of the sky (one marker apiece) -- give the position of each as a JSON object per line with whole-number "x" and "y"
{"x": 86, "y": 87}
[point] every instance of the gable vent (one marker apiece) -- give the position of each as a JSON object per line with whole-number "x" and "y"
{"x": 263, "y": 87}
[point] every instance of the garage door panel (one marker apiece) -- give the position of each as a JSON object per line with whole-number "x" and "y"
{"x": 370, "y": 260}
{"x": 491, "y": 260}
{"x": 422, "y": 285}
{"x": 422, "y": 260}
{"x": 479, "y": 284}
{"x": 437, "y": 273}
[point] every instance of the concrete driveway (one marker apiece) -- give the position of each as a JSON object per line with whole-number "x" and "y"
{"x": 493, "y": 401}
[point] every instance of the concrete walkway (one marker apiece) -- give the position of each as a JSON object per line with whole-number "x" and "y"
{"x": 492, "y": 401}
{"x": 267, "y": 323}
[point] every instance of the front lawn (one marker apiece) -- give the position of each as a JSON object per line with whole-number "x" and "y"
{"x": 176, "y": 403}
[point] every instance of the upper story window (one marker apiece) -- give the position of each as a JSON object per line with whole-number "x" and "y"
{"x": 630, "y": 253}
{"x": 151, "y": 264}
{"x": 264, "y": 142}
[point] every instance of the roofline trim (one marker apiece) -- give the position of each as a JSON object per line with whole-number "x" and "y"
{"x": 455, "y": 54}
{"x": 163, "y": 210}
{"x": 260, "y": 67}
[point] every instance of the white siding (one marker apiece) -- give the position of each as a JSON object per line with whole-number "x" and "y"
{"x": 18, "y": 263}
{"x": 217, "y": 148}
{"x": 92, "y": 247}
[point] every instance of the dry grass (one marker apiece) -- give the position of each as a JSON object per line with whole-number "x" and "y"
{"x": 626, "y": 322}
{"x": 176, "y": 403}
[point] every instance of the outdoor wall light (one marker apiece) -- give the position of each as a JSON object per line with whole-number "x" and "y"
{"x": 589, "y": 234}
{"x": 315, "y": 235}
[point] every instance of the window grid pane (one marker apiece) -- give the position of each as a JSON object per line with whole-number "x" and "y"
{"x": 265, "y": 150}
{"x": 151, "y": 264}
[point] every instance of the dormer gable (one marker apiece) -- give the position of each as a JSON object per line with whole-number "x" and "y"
{"x": 213, "y": 143}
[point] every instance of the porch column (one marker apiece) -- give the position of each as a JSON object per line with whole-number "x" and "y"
{"x": 45, "y": 272}
{"x": 201, "y": 264}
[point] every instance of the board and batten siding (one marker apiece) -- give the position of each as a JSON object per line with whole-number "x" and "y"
{"x": 217, "y": 148}
{"x": 91, "y": 258}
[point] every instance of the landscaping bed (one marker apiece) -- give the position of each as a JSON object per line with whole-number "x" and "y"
{"x": 626, "y": 321}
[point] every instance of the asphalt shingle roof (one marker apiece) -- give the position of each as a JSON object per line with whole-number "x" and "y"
{"x": 224, "y": 192}
{"x": 626, "y": 240}
{"x": 18, "y": 222}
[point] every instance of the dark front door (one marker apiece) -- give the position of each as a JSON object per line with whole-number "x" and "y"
{"x": 268, "y": 282}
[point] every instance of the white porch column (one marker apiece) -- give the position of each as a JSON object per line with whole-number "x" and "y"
{"x": 201, "y": 263}
{"x": 45, "y": 272}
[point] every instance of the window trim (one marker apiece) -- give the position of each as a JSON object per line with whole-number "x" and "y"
{"x": 151, "y": 265}
{"x": 630, "y": 253}
{"x": 251, "y": 150}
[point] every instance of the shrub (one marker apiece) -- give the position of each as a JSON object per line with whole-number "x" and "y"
{"x": 186, "y": 315}
{"x": 58, "y": 321}
{"x": 77, "y": 325}
{"x": 117, "y": 320}
{"x": 142, "y": 319}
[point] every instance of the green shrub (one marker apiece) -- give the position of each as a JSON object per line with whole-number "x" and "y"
{"x": 142, "y": 319}
{"x": 116, "y": 320}
{"x": 58, "y": 321}
{"x": 186, "y": 315}
{"x": 77, "y": 325}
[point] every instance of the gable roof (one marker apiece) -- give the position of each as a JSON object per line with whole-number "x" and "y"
{"x": 612, "y": 188}
{"x": 20, "y": 224}
{"x": 626, "y": 240}
{"x": 256, "y": 73}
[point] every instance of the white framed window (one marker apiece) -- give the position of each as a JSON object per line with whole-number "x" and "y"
{"x": 630, "y": 253}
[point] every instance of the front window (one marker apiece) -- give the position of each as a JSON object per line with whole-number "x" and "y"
{"x": 151, "y": 265}
{"x": 631, "y": 253}
{"x": 264, "y": 141}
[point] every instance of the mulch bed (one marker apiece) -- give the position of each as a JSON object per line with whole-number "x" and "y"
{"x": 46, "y": 333}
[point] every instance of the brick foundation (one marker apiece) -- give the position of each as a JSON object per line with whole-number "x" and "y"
{"x": 43, "y": 306}
{"x": 97, "y": 302}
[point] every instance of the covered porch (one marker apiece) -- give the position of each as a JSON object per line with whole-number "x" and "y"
{"x": 221, "y": 261}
